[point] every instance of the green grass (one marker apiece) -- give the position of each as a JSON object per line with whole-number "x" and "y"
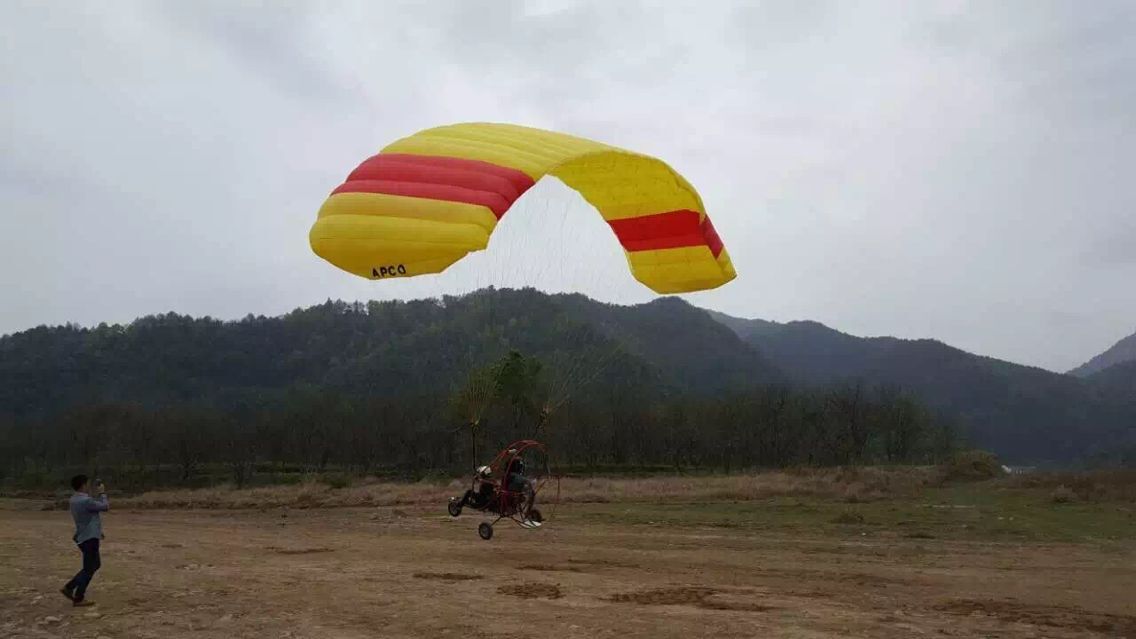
{"x": 977, "y": 511}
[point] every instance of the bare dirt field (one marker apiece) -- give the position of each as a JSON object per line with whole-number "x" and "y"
{"x": 734, "y": 569}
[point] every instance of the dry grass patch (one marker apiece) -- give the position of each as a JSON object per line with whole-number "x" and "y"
{"x": 313, "y": 494}
{"x": 853, "y": 485}
{"x": 1095, "y": 486}
{"x": 848, "y": 484}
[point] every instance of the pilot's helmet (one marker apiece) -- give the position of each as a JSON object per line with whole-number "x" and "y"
{"x": 484, "y": 471}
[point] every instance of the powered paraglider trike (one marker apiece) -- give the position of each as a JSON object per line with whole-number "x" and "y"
{"x": 509, "y": 487}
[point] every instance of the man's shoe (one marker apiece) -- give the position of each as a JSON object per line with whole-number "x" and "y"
{"x": 70, "y": 594}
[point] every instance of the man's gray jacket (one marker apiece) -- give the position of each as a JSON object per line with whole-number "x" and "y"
{"x": 85, "y": 511}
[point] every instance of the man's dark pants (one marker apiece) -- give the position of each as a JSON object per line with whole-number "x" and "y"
{"x": 91, "y": 563}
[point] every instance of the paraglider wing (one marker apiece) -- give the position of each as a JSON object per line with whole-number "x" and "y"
{"x": 427, "y": 200}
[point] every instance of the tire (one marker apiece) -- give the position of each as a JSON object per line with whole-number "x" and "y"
{"x": 535, "y": 515}
{"x": 485, "y": 531}
{"x": 454, "y": 507}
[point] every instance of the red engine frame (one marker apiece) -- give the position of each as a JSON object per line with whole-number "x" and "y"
{"x": 506, "y": 502}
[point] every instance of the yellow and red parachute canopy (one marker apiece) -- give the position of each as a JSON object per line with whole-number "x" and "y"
{"x": 427, "y": 200}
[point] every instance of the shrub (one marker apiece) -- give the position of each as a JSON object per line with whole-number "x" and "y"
{"x": 848, "y": 517}
{"x": 1062, "y": 495}
{"x": 972, "y": 465}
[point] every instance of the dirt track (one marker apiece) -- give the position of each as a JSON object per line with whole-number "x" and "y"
{"x": 383, "y": 572}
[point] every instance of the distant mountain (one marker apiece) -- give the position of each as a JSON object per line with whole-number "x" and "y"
{"x": 1021, "y": 412}
{"x": 700, "y": 353}
{"x": 424, "y": 347}
{"x": 1122, "y": 351}
{"x": 810, "y": 352}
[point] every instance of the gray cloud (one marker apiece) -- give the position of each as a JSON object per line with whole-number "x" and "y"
{"x": 955, "y": 170}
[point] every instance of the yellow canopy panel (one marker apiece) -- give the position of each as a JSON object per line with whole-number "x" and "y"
{"x": 427, "y": 200}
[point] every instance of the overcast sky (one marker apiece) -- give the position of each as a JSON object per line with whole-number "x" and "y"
{"x": 950, "y": 170}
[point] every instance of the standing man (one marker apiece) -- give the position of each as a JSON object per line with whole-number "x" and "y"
{"x": 88, "y": 531}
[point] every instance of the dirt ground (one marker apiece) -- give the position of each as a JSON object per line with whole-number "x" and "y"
{"x": 414, "y": 572}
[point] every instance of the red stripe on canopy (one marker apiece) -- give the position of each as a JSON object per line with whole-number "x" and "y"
{"x": 673, "y": 229}
{"x": 398, "y": 170}
{"x": 444, "y": 192}
{"x": 712, "y": 239}
{"x": 439, "y": 178}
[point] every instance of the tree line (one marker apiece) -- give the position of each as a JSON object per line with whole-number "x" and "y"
{"x": 620, "y": 423}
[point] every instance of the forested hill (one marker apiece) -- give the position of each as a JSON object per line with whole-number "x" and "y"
{"x": 1117, "y": 381}
{"x": 810, "y": 352}
{"x": 1023, "y": 412}
{"x": 376, "y": 349}
{"x": 590, "y": 352}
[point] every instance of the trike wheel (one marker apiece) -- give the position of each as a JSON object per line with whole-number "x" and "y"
{"x": 535, "y": 515}
{"x": 454, "y": 507}
{"x": 485, "y": 531}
